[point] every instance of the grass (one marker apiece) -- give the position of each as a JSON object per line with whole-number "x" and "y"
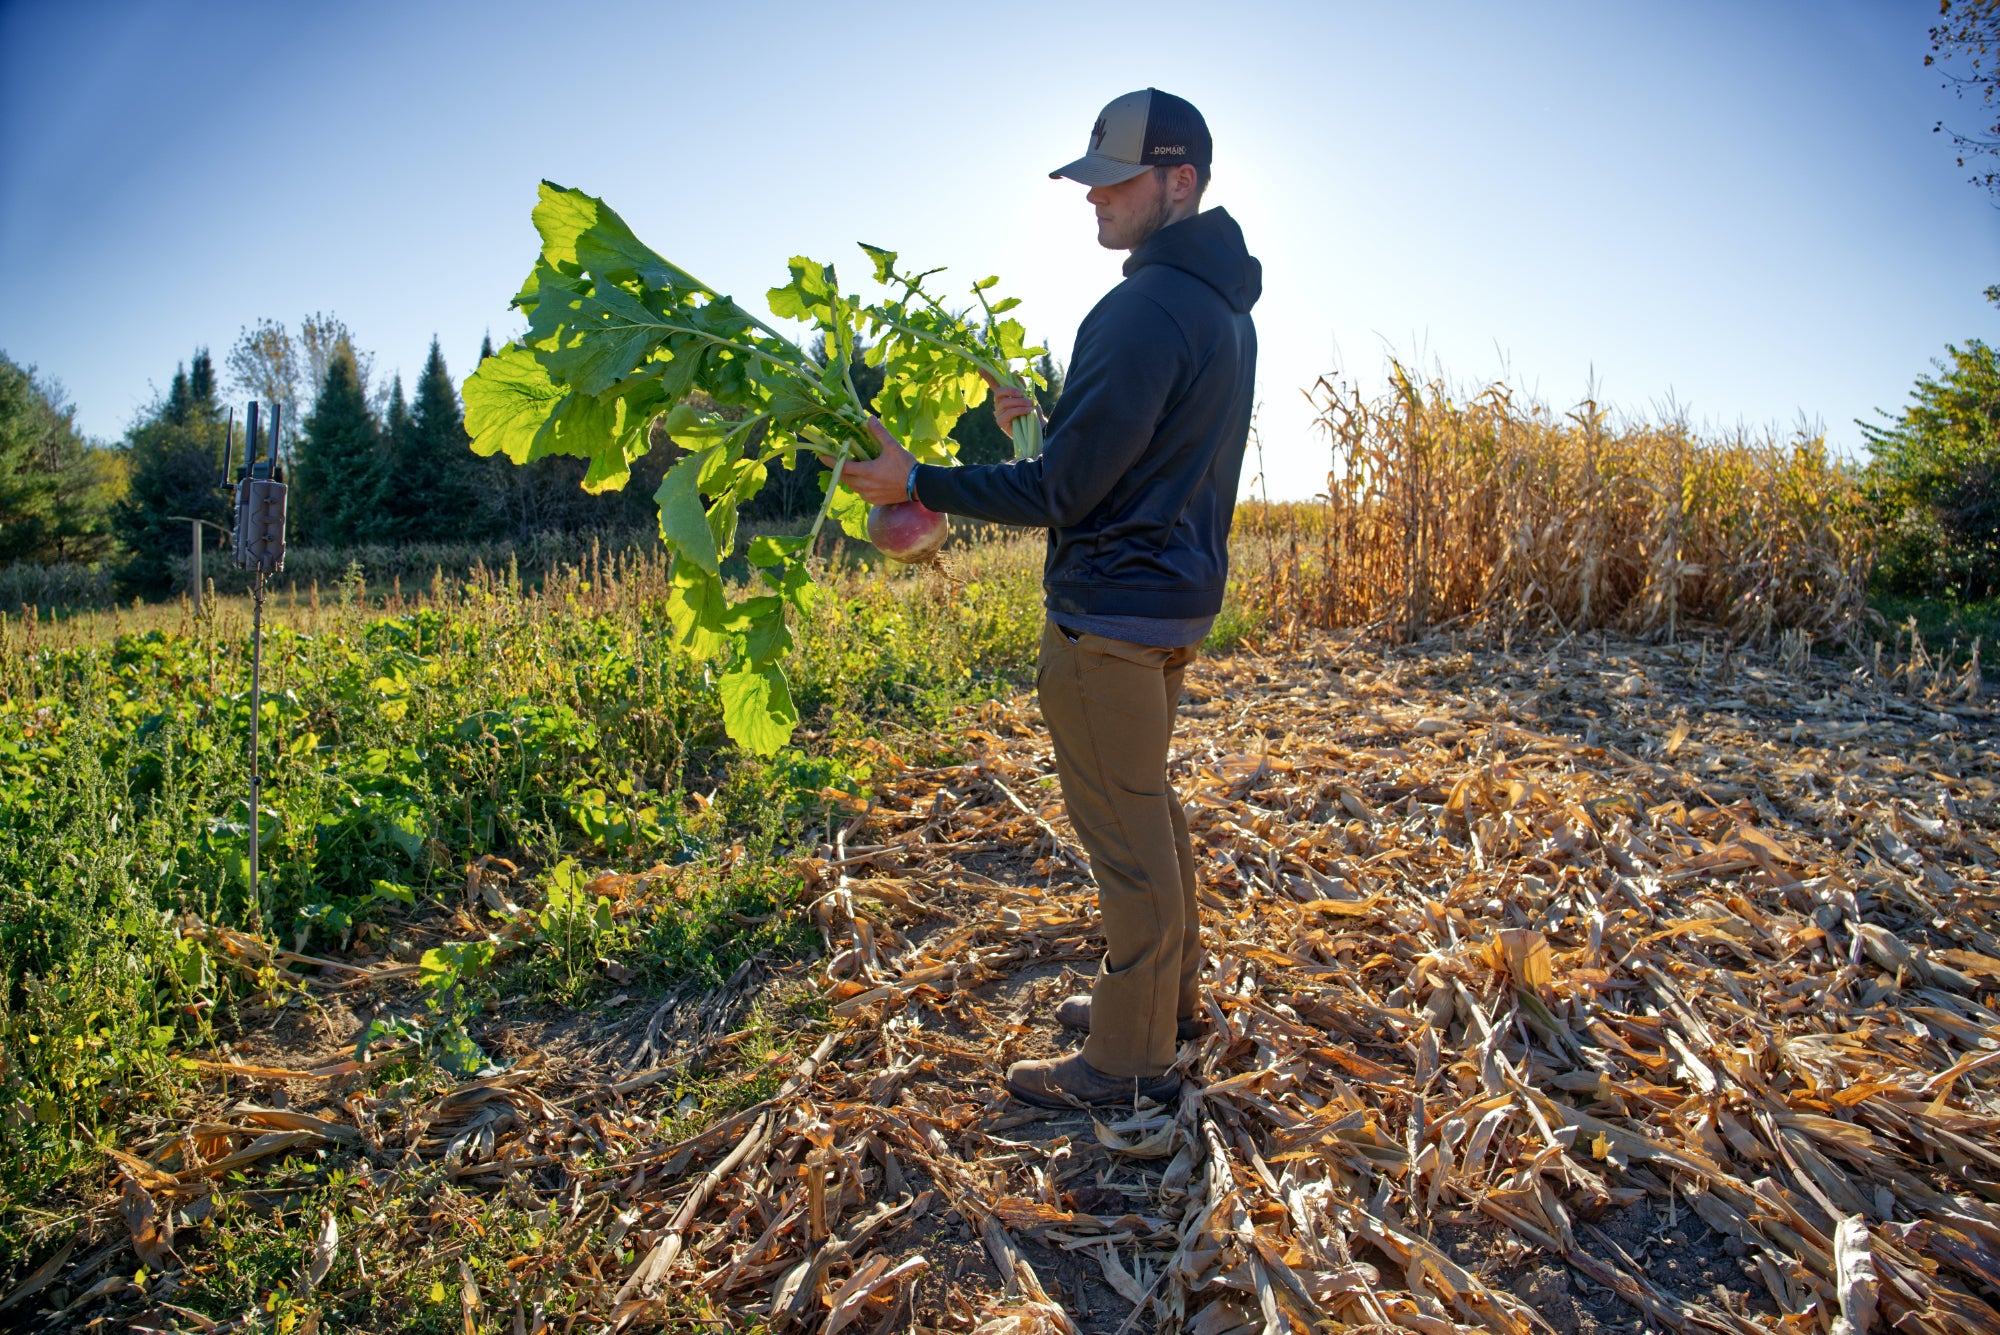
{"x": 1941, "y": 620}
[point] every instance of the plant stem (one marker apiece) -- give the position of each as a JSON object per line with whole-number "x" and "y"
{"x": 1028, "y": 438}
{"x": 846, "y": 412}
{"x": 832, "y": 485}
{"x": 1027, "y": 433}
{"x": 714, "y": 295}
{"x": 955, "y": 349}
{"x": 847, "y": 370}
{"x": 825, "y": 444}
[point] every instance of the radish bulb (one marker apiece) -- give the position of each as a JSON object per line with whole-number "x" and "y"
{"x": 908, "y": 531}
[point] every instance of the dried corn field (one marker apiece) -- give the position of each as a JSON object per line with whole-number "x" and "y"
{"x": 1607, "y": 987}
{"x": 1443, "y": 509}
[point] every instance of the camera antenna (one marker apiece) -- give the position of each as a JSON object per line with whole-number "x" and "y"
{"x": 228, "y": 443}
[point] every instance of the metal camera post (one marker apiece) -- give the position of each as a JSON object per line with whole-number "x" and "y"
{"x": 260, "y": 549}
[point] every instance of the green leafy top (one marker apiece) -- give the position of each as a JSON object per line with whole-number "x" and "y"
{"x": 919, "y": 342}
{"x": 619, "y": 338}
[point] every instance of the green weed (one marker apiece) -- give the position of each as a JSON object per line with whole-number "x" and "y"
{"x": 405, "y": 742}
{"x": 1942, "y": 620}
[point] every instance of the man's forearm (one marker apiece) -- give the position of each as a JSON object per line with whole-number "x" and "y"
{"x": 1010, "y": 493}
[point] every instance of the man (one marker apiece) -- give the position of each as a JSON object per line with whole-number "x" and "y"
{"x": 1137, "y": 486}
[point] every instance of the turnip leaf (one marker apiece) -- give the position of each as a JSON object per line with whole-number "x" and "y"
{"x": 696, "y": 606}
{"x": 757, "y": 709}
{"x": 768, "y": 639}
{"x": 683, "y": 519}
{"x": 851, "y": 513}
{"x": 584, "y": 232}
{"x": 508, "y": 401}
{"x": 771, "y": 550}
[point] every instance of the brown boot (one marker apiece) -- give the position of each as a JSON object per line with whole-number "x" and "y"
{"x": 1074, "y": 1013}
{"x": 1072, "y": 1082}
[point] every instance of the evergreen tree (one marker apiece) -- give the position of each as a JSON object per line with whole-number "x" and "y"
{"x": 52, "y": 482}
{"x": 485, "y": 350}
{"x": 447, "y": 491}
{"x": 393, "y": 518}
{"x": 1051, "y": 390}
{"x": 396, "y": 426}
{"x": 175, "y": 457}
{"x": 175, "y": 467}
{"x": 180, "y": 401}
{"x": 201, "y": 384}
{"x": 340, "y": 471}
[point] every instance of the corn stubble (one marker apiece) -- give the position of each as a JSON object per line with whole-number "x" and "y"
{"x": 1491, "y": 509}
{"x": 1484, "y": 995}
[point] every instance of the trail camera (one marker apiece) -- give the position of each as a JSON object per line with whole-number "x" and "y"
{"x": 260, "y": 500}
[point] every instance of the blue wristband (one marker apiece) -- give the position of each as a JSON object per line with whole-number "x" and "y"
{"x": 910, "y": 484}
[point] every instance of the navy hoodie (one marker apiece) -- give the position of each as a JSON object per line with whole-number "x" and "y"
{"x": 1137, "y": 481}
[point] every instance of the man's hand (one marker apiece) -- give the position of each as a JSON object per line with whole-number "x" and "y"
{"x": 1009, "y": 402}
{"x": 885, "y": 479}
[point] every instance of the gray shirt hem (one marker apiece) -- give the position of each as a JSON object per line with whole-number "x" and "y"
{"x": 1156, "y": 632}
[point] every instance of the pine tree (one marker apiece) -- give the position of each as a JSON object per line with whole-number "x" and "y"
{"x": 179, "y": 400}
{"x": 201, "y": 384}
{"x": 398, "y": 521}
{"x": 175, "y": 456}
{"x": 449, "y": 484}
{"x": 340, "y": 471}
{"x": 1052, "y": 386}
{"x": 485, "y": 350}
{"x": 52, "y": 506}
{"x": 397, "y": 424}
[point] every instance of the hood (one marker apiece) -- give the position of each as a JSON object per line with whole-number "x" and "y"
{"x": 1210, "y": 246}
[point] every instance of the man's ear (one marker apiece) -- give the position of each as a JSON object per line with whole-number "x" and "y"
{"x": 1184, "y": 183}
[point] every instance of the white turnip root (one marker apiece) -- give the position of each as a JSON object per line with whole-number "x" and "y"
{"x": 909, "y": 531}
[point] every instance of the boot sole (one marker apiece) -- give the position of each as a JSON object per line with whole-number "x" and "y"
{"x": 1124, "y": 1098}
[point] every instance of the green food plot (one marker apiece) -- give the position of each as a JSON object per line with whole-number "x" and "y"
{"x": 561, "y": 728}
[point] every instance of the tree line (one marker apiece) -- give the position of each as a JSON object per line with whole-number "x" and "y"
{"x": 367, "y": 462}
{"x": 1933, "y": 472}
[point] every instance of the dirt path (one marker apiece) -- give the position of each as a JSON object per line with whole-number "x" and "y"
{"x": 1587, "y": 990}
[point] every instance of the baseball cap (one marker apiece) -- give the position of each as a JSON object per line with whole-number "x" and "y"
{"x": 1138, "y": 131}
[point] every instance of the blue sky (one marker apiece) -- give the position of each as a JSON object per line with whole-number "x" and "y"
{"x": 1740, "y": 207}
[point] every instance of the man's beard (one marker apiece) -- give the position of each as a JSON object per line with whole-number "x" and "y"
{"x": 1162, "y": 214}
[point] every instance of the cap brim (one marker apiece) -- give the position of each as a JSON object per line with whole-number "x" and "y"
{"x": 1092, "y": 169}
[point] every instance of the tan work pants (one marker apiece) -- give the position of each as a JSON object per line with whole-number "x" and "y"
{"x": 1110, "y": 708}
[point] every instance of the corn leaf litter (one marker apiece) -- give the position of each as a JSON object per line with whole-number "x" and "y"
{"x": 620, "y": 339}
{"x": 1639, "y": 954}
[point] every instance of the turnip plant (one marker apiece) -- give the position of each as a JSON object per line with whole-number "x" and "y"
{"x": 619, "y": 338}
